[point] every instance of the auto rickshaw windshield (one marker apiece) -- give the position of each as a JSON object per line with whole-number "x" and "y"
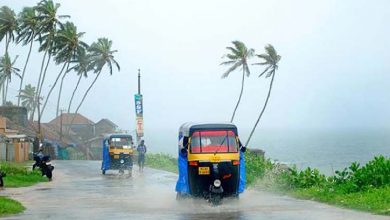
{"x": 120, "y": 142}
{"x": 214, "y": 142}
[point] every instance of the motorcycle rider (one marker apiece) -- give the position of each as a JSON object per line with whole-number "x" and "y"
{"x": 40, "y": 153}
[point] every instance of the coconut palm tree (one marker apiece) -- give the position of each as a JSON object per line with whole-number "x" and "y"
{"x": 67, "y": 44}
{"x": 82, "y": 67}
{"x": 48, "y": 20}
{"x": 101, "y": 55}
{"x": 28, "y": 24}
{"x": 271, "y": 61}
{"x": 7, "y": 69}
{"x": 238, "y": 57}
{"x": 8, "y": 26}
{"x": 27, "y": 95}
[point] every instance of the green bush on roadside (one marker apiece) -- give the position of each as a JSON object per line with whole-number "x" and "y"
{"x": 11, "y": 168}
{"x": 9, "y": 206}
{"x": 306, "y": 178}
{"x": 161, "y": 161}
{"x": 256, "y": 167}
{"x": 360, "y": 187}
{"x": 375, "y": 174}
{"x": 18, "y": 175}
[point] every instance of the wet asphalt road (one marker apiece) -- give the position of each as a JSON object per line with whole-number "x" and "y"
{"x": 80, "y": 191}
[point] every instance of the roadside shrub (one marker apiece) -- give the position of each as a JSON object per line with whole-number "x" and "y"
{"x": 256, "y": 167}
{"x": 161, "y": 161}
{"x": 375, "y": 174}
{"x": 17, "y": 175}
{"x": 306, "y": 178}
{"x": 12, "y": 168}
{"x": 9, "y": 206}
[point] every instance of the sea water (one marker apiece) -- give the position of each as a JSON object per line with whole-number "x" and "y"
{"x": 327, "y": 151}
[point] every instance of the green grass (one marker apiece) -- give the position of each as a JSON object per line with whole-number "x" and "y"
{"x": 9, "y": 206}
{"x": 161, "y": 161}
{"x": 376, "y": 200}
{"x": 365, "y": 188}
{"x": 17, "y": 175}
{"x": 20, "y": 180}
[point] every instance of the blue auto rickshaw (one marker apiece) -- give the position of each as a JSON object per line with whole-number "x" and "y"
{"x": 118, "y": 153}
{"x": 211, "y": 162}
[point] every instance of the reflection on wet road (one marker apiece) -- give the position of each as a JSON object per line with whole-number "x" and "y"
{"x": 80, "y": 191}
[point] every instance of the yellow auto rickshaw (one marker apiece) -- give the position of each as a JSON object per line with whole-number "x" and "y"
{"x": 211, "y": 162}
{"x": 118, "y": 152}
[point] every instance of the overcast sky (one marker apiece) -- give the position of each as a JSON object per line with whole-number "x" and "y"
{"x": 334, "y": 72}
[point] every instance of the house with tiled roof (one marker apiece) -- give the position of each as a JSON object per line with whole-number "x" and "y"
{"x": 105, "y": 126}
{"x": 80, "y": 125}
{"x": 15, "y": 141}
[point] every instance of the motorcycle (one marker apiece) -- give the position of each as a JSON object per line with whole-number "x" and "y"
{"x": 45, "y": 165}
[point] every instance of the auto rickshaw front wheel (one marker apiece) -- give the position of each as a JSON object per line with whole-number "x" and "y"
{"x": 215, "y": 199}
{"x": 130, "y": 172}
{"x": 180, "y": 196}
{"x": 104, "y": 172}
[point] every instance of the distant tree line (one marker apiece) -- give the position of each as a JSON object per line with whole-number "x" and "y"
{"x": 59, "y": 43}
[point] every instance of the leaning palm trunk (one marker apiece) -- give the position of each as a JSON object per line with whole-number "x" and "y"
{"x": 66, "y": 64}
{"x": 74, "y": 92}
{"x": 3, "y": 92}
{"x": 239, "y": 98}
{"x": 24, "y": 71}
{"x": 6, "y": 91}
{"x": 60, "y": 91}
{"x": 32, "y": 113}
{"x": 44, "y": 75}
{"x": 5, "y": 88}
{"x": 262, "y": 111}
{"x": 85, "y": 95}
{"x": 6, "y": 43}
{"x": 39, "y": 82}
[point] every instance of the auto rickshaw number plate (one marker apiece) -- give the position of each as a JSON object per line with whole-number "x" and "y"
{"x": 204, "y": 170}
{"x": 215, "y": 159}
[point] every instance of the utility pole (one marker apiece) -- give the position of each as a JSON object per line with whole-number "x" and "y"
{"x": 139, "y": 110}
{"x": 139, "y": 81}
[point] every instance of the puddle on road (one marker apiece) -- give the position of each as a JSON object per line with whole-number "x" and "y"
{"x": 42, "y": 189}
{"x": 151, "y": 195}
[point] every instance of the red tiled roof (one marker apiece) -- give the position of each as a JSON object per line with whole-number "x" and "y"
{"x": 105, "y": 120}
{"x": 67, "y": 119}
{"x": 52, "y": 132}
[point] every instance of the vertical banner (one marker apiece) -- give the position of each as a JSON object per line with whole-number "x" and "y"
{"x": 139, "y": 115}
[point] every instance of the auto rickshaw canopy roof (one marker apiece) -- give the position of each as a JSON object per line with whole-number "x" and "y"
{"x": 118, "y": 135}
{"x": 188, "y": 128}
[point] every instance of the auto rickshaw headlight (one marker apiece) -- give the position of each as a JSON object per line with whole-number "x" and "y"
{"x": 217, "y": 183}
{"x": 122, "y": 161}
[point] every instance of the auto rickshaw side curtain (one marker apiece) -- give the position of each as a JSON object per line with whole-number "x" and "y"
{"x": 106, "y": 156}
{"x": 241, "y": 186}
{"x": 182, "y": 185}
